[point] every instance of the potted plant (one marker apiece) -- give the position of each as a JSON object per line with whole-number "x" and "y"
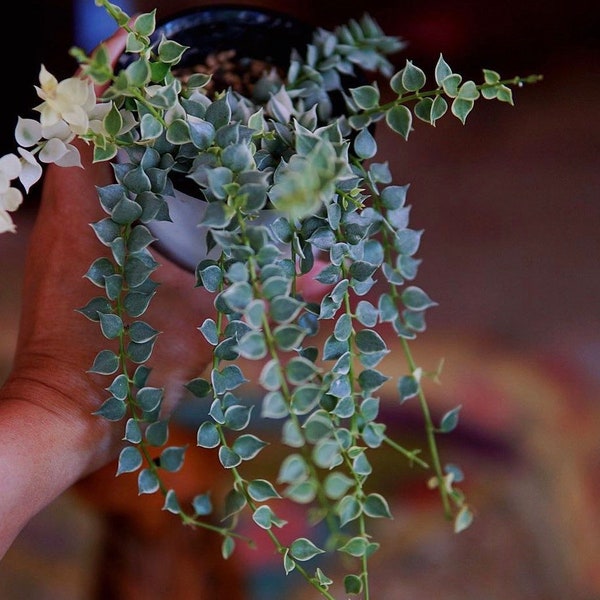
{"x": 290, "y": 187}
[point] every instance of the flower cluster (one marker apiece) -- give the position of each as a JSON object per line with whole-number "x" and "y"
{"x": 67, "y": 111}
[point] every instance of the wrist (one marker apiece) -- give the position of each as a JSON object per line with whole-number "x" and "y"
{"x": 49, "y": 441}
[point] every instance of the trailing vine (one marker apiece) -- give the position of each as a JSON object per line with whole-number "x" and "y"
{"x": 338, "y": 213}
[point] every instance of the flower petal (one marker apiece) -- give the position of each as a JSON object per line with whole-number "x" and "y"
{"x": 6, "y": 222}
{"x": 28, "y": 132}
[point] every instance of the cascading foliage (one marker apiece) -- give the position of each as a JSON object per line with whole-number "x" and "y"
{"x": 320, "y": 362}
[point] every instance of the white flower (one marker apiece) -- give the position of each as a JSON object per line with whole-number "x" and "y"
{"x": 31, "y": 170}
{"x": 59, "y": 130}
{"x": 10, "y": 197}
{"x": 64, "y": 155}
{"x": 28, "y": 132}
{"x": 70, "y": 100}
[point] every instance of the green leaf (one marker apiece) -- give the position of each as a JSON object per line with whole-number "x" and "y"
{"x": 208, "y": 435}
{"x": 361, "y": 464}
{"x": 438, "y": 109}
{"x": 119, "y": 386}
{"x": 157, "y": 433}
{"x": 105, "y": 363}
{"x": 365, "y": 145}
{"x": 408, "y": 387}
{"x": 137, "y": 270}
{"x": 111, "y": 325}
{"x": 413, "y": 78}
{"x": 491, "y": 77}
{"x": 399, "y": 119}
{"x": 130, "y": 459}
{"x": 450, "y": 84}
{"x": 317, "y": 426}
{"x": 415, "y": 298}
{"x": 113, "y": 409}
{"x": 288, "y": 337}
{"x": 170, "y": 51}
{"x": 171, "y": 459}
{"x": 237, "y": 417}
{"x": 252, "y": 345}
{"x": 113, "y": 121}
{"x": 442, "y": 70}
{"x": 275, "y": 286}
{"x": 210, "y": 277}
{"x": 461, "y": 108}
{"x": 234, "y": 503}
{"x": 353, "y": 584}
{"x": 463, "y": 519}
{"x": 126, "y": 211}
{"x": 141, "y": 332}
{"x": 133, "y": 433}
{"x": 327, "y": 454}
{"x": 356, "y": 546}
{"x": 291, "y": 434}
{"x": 265, "y": 518}
{"x": 370, "y": 380}
{"x": 270, "y": 375}
{"x": 227, "y": 547}
{"x": 178, "y": 132}
{"x": 305, "y": 398}
{"x": 94, "y": 306}
{"x": 114, "y": 286}
{"x": 107, "y": 230}
{"x": 323, "y": 580}
{"x": 238, "y": 295}
{"x": 348, "y": 509}
{"x": 283, "y": 308}
{"x": 376, "y": 506}
{"x": 199, "y": 387}
{"x": 450, "y": 420}
{"x": 504, "y": 94}
{"x": 373, "y": 434}
{"x": 228, "y": 458}
{"x": 261, "y": 490}
{"x": 274, "y": 406}
{"x": 303, "y": 549}
{"x": 293, "y": 468}
{"x": 340, "y": 387}
{"x": 288, "y": 563}
{"x": 148, "y": 482}
{"x": 337, "y": 484}
{"x": 136, "y": 303}
{"x": 248, "y": 446}
{"x": 145, "y": 23}
{"x": 369, "y": 341}
{"x": 230, "y": 378}
{"x": 468, "y": 91}
{"x": 202, "y": 504}
{"x": 300, "y": 370}
{"x": 171, "y": 503}
{"x": 369, "y": 408}
{"x": 149, "y": 398}
{"x": 365, "y": 96}
{"x": 423, "y": 109}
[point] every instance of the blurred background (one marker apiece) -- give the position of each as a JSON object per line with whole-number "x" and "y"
{"x": 510, "y": 208}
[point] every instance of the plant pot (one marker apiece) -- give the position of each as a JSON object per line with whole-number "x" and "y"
{"x": 253, "y": 33}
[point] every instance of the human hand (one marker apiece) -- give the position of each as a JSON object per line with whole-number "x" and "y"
{"x": 50, "y": 437}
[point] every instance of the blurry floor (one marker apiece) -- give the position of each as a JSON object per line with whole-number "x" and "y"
{"x": 510, "y": 205}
